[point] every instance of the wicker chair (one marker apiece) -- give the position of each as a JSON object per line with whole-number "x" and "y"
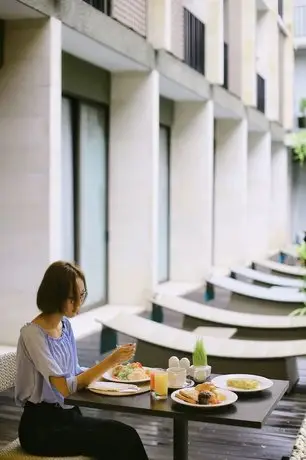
{"x": 7, "y": 381}
{"x": 299, "y": 449}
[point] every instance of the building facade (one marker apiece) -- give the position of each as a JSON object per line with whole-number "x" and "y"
{"x": 298, "y": 171}
{"x": 142, "y": 138}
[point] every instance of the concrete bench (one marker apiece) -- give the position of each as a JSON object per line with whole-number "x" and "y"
{"x": 247, "y": 325}
{"x": 266, "y": 278}
{"x": 83, "y": 325}
{"x": 289, "y": 270}
{"x": 291, "y": 251}
{"x": 157, "y": 342}
{"x": 222, "y": 332}
{"x": 246, "y": 297}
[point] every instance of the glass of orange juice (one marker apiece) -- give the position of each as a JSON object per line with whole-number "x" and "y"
{"x": 159, "y": 383}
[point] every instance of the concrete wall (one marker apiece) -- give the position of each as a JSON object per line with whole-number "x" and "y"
{"x": 85, "y": 80}
{"x": 177, "y": 28}
{"x": 30, "y": 127}
{"x": 191, "y": 191}
{"x": 166, "y": 111}
{"x": 133, "y": 194}
{"x": 242, "y": 49}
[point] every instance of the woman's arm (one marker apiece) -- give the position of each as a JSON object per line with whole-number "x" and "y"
{"x": 36, "y": 348}
{"x": 120, "y": 355}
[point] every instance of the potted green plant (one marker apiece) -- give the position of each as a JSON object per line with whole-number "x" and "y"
{"x": 200, "y": 370}
{"x": 302, "y": 114}
{"x": 297, "y": 141}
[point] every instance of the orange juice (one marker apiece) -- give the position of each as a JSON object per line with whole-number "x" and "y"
{"x": 160, "y": 384}
{"x": 152, "y": 381}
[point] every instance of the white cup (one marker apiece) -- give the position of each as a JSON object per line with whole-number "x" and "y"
{"x": 176, "y": 377}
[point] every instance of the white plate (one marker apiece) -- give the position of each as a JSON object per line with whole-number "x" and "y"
{"x": 231, "y": 398}
{"x": 108, "y": 376}
{"x": 188, "y": 384}
{"x": 221, "y": 380}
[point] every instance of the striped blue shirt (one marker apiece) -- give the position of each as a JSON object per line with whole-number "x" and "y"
{"x": 39, "y": 357}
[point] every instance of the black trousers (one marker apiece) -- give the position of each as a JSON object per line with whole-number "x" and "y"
{"x": 49, "y": 430}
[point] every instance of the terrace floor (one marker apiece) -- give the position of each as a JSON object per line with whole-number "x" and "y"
{"x": 207, "y": 442}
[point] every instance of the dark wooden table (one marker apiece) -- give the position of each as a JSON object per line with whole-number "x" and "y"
{"x": 249, "y": 411}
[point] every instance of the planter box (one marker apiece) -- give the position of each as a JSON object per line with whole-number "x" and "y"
{"x": 302, "y": 122}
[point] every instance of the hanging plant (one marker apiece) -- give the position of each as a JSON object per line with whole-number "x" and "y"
{"x": 298, "y": 145}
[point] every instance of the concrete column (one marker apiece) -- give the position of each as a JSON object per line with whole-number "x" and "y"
{"x": 230, "y": 223}
{"x": 259, "y": 194}
{"x": 242, "y": 49}
{"x": 133, "y": 183}
{"x": 191, "y": 191}
{"x": 30, "y": 126}
{"x": 280, "y": 199}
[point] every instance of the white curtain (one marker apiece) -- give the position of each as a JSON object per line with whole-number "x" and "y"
{"x": 164, "y": 208}
{"x": 92, "y": 201}
{"x": 67, "y": 205}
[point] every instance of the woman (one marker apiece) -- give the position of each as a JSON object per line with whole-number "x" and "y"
{"x": 48, "y": 371}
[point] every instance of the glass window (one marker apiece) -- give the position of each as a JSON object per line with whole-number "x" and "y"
{"x": 164, "y": 205}
{"x": 67, "y": 202}
{"x": 92, "y": 200}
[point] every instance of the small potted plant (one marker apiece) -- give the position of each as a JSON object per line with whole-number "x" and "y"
{"x": 302, "y": 115}
{"x": 200, "y": 370}
{"x": 297, "y": 142}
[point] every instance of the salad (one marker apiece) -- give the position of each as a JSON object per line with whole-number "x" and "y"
{"x": 130, "y": 371}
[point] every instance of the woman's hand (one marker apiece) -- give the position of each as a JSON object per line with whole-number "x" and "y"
{"x": 123, "y": 354}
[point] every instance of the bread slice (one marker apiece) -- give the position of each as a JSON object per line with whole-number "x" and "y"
{"x": 184, "y": 398}
{"x": 190, "y": 394}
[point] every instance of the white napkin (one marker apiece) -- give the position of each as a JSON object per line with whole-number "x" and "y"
{"x": 113, "y": 387}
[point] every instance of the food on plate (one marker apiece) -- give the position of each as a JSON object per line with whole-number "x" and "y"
{"x": 191, "y": 396}
{"x": 130, "y": 371}
{"x": 207, "y": 386}
{"x": 205, "y": 394}
{"x": 243, "y": 383}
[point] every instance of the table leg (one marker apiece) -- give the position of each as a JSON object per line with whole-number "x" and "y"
{"x": 180, "y": 439}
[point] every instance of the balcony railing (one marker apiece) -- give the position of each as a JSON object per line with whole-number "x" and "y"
{"x": 194, "y": 42}
{"x": 300, "y": 21}
{"x": 281, "y": 8}
{"x": 105, "y": 6}
{"x": 261, "y": 94}
{"x": 225, "y": 63}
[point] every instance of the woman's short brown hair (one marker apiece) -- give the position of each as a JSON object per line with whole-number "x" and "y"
{"x": 58, "y": 285}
